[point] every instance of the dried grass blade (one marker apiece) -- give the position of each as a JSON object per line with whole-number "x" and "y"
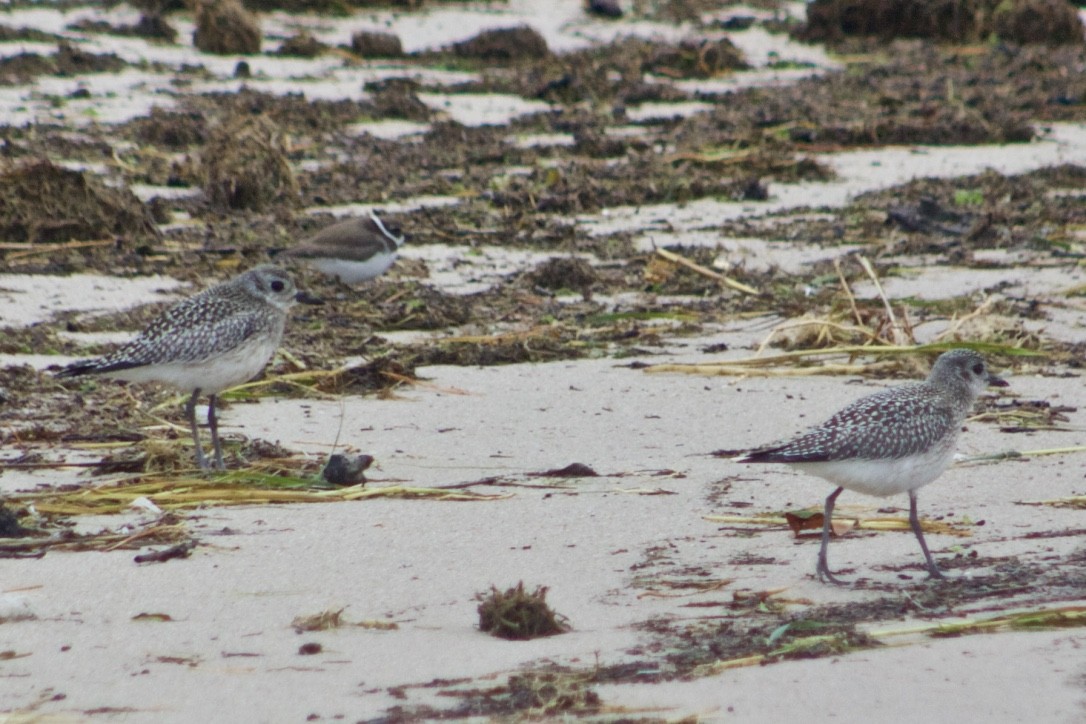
{"x": 738, "y": 366}
{"x": 699, "y": 269}
{"x": 900, "y": 337}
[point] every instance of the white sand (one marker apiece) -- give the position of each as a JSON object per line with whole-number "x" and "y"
{"x": 230, "y": 653}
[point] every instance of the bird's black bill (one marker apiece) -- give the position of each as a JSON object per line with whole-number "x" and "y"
{"x": 996, "y": 381}
{"x": 307, "y": 298}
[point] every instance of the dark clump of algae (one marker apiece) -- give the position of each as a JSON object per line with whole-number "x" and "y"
{"x": 516, "y": 613}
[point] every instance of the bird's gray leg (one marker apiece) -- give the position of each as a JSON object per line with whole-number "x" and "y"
{"x": 914, "y": 522}
{"x": 213, "y": 423}
{"x": 190, "y": 410}
{"x": 824, "y": 567}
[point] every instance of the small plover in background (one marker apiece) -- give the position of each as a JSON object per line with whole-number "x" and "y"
{"x": 355, "y": 250}
{"x": 207, "y": 343}
{"x": 893, "y": 441}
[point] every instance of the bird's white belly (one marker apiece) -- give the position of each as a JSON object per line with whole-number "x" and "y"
{"x": 883, "y": 477}
{"x": 353, "y": 272}
{"x": 210, "y": 376}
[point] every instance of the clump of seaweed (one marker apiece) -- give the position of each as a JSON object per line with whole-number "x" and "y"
{"x": 302, "y": 45}
{"x": 547, "y": 693}
{"x": 565, "y": 272}
{"x": 375, "y": 44}
{"x": 504, "y": 44}
{"x": 226, "y": 28}
{"x": 245, "y": 166}
{"x": 1016, "y": 21}
{"x": 41, "y": 202}
{"x": 516, "y": 614}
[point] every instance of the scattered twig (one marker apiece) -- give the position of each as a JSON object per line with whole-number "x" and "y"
{"x": 698, "y": 268}
{"x": 38, "y": 249}
{"x": 1072, "y": 501}
{"x": 726, "y": 156}
{"x": 181, "y": 550}
{"x": 693, "y": 588}
{"x": 154, "y": 531}
{"x": 53, "y": 465}
{"x": 808, "y": 322}
{"x": 1015, "y": 454}
{"x": 956, "y": 324}
{"x": 751, "y": 365}
{"x": 872, "y": 524}
{"x": 504, "y": 337}
{"x": 848, "y": 292}
{"x": 740, "y": 370}
{"x": 897, "y": 331}
{"x": 238, "y": 488}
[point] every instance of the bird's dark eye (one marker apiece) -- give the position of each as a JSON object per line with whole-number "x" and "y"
{"x": 978, "y": 369}
{"x": 277, "y": 286}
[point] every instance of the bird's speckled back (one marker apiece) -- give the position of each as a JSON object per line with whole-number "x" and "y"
{"x": 206, "y": 325}
{"x": 894, "y": 423}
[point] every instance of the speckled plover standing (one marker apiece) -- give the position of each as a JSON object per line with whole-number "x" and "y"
{"x": 894, "y": 441}
{"x": 207, "y": 343}
{"x": 354, "y": 250}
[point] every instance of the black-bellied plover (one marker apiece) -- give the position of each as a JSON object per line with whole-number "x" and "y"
{"x": 354, "y": 250}
{"x": 894, "y": 441}
{"x": 207, "y": 343}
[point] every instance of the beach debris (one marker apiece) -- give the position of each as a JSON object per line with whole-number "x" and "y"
{"x": 1052, "y": 22}
{"x": 573, "y": 470}
{"x": 516, "y": 614}
{"x": 245, "y": 165}
{"x": 224, "y": 27}
{"x": 328, "y": 619}
{"x": 181, "y": 550}
{"x": 302, "y": 45}
{"x": 504, "y": 44}
{"x": 375, "y": 44}
{"x": 41, "y": 202}
{"x": 333, "y": 618}
{"x": 343, "y": 470}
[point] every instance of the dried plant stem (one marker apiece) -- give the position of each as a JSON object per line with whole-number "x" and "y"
{"x": 705, "y": 272}
{"x": 848, "y": 292}
{"x": 956, "y": 324}
{"x": 38, "y": 249}
{"x": 1013, "y": 454}
{"x": 724, "y": 370}
{"x": 899, "y": 335}
{"x": 796, "y": 323}
{"x": 759, "y": 365}
{"x": 873, "y": 524}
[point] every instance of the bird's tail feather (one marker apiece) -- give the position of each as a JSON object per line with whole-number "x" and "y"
{"x": 94, "y": 367}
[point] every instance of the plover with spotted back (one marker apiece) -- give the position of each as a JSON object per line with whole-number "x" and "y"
{"x": 207, "y": 343}
{"x": 894, "y": 441}
{"x": 355, "y": 250}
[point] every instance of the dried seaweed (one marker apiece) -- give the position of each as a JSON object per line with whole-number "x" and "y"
{"x": 184, "y": 492}
{"x": 518, "y": 614}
